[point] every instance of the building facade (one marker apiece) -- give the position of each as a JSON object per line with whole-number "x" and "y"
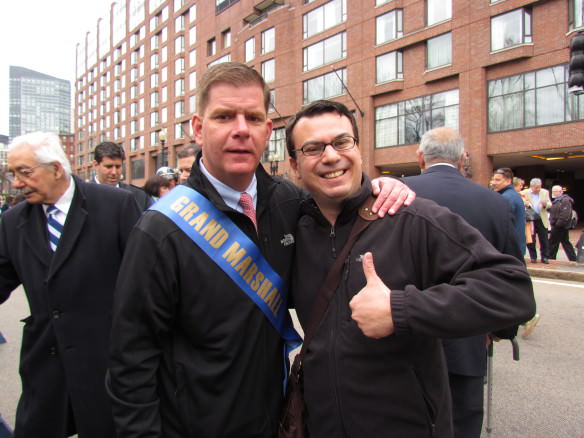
{"x": 38, "y": 102}
{"x": 495, "y": 70}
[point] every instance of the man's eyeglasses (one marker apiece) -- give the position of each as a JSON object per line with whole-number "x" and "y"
{"x": 23, "y": 173}
{"x": 316, "y": 148}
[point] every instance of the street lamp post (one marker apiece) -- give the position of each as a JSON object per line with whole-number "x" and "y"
{"x": 162, "y": 138}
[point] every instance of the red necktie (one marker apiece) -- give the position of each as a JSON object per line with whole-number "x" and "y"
{"x": 248, "y": 209}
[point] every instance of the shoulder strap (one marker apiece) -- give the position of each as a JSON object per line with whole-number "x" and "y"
{"x": 328, "y": 289}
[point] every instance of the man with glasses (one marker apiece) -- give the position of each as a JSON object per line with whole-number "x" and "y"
{"x": 64, "y": 246}
{"x": 376, "y": 361}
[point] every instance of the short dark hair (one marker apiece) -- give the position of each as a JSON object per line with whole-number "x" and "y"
{"x": 317, "y": 108}
{"x": 153, "y": 184}
{"x": 108, "y": 149}
{"x": 189, "y": 151}
{"x": 232, "y": 73}
{"x": 506, "y": 172}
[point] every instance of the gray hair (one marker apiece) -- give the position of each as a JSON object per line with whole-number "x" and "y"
{"x": 535, "y": 182}
{"x": 46, "y": 148}
{"x": 441, "y": 144}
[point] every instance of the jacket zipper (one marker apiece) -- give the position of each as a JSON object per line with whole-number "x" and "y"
{"x": 332, "y": 236}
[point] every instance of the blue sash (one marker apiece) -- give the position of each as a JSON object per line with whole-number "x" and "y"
{"x": 234, "y": 252}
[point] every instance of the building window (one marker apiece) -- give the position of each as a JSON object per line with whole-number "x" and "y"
{"x": 439, "y": 51}
{"x": 137, "y": 168}
{"x": 154, "y": 99}
{"x": 226, "y": 38}
{"x": 389, "y": 67}
{"x": 389, "y": 26}
{"x": 511, "y": 29}
{"x": 250, "y": 49}
{"x": 532, "y": 99}
{"x": 324, "y": 17}
{"x": 325, "y": 86}
{"x": 405, "y": 122}
{"x": 268, "y": 40}
{"x": 179, "y": 108}
{"x": 179, "y": 65}
{"x": 269, "y": 70}
{"x": 272, "y": 107}
{"x": 437, "y": 11}
{"x": 325, "y": 51}
{"x": 276, "y": 146}
{"x": 381, "y": 2}
{"x": 179, "y": 87}
{"x": 211, "y": 47}
{"x": 224, "y": 58}
{"x": 179, "y": 44}
{"x": 154, "y": 61}
{"x": 193, "y": 35}
{"x": 193, "y": 57}
{"x": 179, "y": 23}
{"x": 154, "y": 119}
{"x": 221, "y": 5}
{"x": 576, "y": 14}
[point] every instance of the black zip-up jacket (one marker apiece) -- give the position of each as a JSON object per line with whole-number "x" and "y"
{"x": 446, "y": 280}
{"x": 192, "y": 355}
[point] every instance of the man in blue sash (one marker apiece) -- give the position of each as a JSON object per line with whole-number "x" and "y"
{"x": 200, "y": 308}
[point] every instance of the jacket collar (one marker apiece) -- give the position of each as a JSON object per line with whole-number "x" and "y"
{"x": 265, "y": 186}
{"x": 349, "y": 209}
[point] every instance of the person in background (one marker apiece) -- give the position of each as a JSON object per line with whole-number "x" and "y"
{"x": 185, "y": 159}
{"x": 539, "y": 199}
{"x": 518, "y": 184}
{"x": 64, "y": 245}
{"x": 502, "y": 182}
{"x": 108, "y": 164}
{"x": 157, "y": 186}
{"x": 560, "y": 221}
{"x": 441, "y": 157}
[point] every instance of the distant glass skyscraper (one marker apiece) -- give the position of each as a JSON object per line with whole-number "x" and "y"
{"x": 38, "y": 102}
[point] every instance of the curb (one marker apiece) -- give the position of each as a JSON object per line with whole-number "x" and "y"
{"x": 556, "y": 274}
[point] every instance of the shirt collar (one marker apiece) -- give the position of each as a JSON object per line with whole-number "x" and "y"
{"x": 231, "y": 196}
{"x": 97, "y": 182}
{"x": 444, "y": 164}
{"x": 63, "y": 204}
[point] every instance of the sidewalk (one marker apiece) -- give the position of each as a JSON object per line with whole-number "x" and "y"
{"x": 560, "y": 269}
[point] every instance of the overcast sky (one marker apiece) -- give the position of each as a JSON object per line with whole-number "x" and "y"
{"x": 41, "y": 35}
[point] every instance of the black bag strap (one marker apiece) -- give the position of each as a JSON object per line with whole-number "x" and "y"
{"x": 333, "y": 278}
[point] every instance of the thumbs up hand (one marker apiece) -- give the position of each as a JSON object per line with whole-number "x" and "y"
{"x": 371, "y": 307}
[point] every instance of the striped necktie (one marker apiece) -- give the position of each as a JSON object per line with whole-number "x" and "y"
{"x": 248, "y": 209}
{"x": 54, "y": 227}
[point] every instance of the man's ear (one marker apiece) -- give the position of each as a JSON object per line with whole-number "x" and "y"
{"x": 197, "y": 127}
{"x": 294, "y": 166}
{"x": 58, "y": 169}
{"x": 421, "y": 161}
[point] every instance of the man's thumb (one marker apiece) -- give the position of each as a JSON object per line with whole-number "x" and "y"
{"x": 369, "y": 268}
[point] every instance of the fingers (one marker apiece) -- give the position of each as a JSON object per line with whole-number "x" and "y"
{"x": 369, "y": 268}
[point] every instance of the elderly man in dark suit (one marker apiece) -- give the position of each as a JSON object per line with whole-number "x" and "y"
{"x": 65, "y": 248}
{"x": 108, "y": 162}
{"x": 441, "y": 156}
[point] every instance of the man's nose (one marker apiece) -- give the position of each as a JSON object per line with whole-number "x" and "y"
{"x": 241, "y": 125}
{"x": 330, "y": 153}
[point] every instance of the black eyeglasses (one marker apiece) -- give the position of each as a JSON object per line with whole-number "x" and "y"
{"x": 316, "y": 148}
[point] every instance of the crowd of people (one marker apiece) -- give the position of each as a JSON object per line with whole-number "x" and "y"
{"x": 162, "y": 311}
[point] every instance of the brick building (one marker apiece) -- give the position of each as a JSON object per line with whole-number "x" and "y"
{"x": 495, "y": 70}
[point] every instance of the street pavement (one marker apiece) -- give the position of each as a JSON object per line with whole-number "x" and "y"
{"x": 540, "y": 396}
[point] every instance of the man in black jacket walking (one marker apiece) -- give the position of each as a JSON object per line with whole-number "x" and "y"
{"x": 560, "y": 221}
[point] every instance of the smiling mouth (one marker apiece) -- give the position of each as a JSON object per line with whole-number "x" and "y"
{"x": 333, "y": 174}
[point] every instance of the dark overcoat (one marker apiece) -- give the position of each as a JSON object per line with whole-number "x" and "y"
{"x": 65, "y": 339}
